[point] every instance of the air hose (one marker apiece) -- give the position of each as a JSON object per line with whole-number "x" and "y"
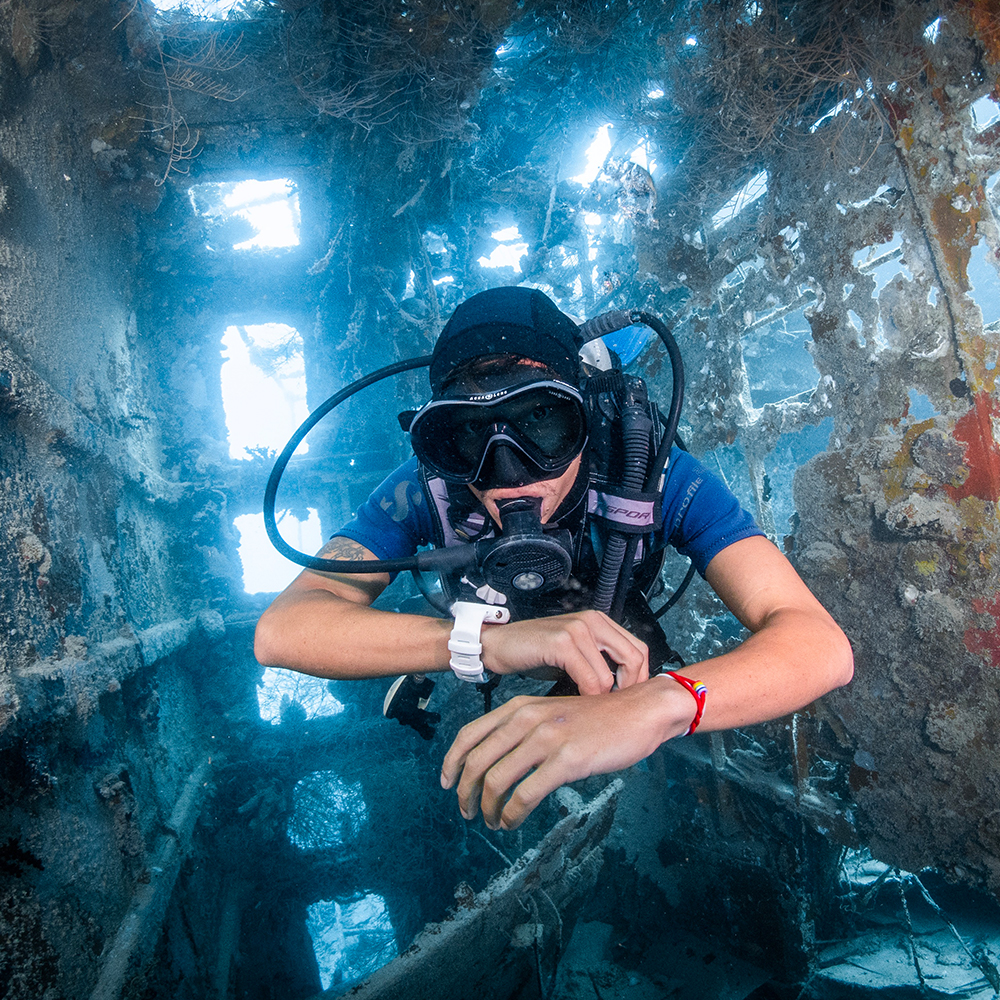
{"x": 619, "y": 554}
{"x": 636, "y": 427}
{"x": 461, "y": 557}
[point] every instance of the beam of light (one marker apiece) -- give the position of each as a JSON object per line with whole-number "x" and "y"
{"x": 597, "y": 153}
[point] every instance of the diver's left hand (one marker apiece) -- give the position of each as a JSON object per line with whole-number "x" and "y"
{"x": 554, "y": 741}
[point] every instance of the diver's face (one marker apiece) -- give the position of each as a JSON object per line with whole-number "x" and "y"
{"x": 552, "y": 492}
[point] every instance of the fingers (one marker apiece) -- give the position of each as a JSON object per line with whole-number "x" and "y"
{"x": 491, "y": 777}
{"x": 575, "y": 644}
{"x": 542, "y": 762}
{"x": 630, "y": 654}
{"x": 578, "y": 652}
{"x": 489, "y": 756}
{"x": 471, "y": 736}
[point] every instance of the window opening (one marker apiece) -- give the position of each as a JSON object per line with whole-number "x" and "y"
{"x": 265, "y": 570}
{"x": 754, "y": 188}
{"x": 882, "y": 263}
{"x": 865, "y": 202}
{"x": 263, "y": 387}
{"x": 776, "y": 360}
{"x": 739, "y": 274}
{"x": 278, "y": 690}
{"x": 264, "y": 398}
{"x": 510, "y": 248}
{"x": 350, "y": 940}
{"x": 790, "y": 452}
{"x": 269, "y": 209}
{"x": 932, "y": 30}
{"x": 327, "y": 811}
{"x": 215, "y": 10}
{"x": 984, "y": 280}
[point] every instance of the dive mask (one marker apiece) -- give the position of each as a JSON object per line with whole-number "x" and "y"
{"x": 544, "y": 423}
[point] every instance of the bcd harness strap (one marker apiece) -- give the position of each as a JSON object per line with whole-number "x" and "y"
{"x": 632, "y": 511}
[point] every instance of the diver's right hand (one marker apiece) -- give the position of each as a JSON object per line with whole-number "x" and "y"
{"x": 573, "y": 644}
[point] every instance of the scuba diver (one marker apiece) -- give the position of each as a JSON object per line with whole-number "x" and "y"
{"x": 549, "y": 486}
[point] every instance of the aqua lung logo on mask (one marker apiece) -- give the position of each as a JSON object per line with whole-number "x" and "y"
{"x": 485, "y": 397}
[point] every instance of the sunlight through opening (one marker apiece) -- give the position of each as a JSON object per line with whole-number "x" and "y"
{"x": 263, "y": 388}
{"x": 215, "y": 10}
{"x": 265, "y": 569}
{"x": 351, "y": 940}
{"x": 270, "y": 209}
{"x": 597, "y": 153}
{"x": 509, "y": 252}
{"x": 754, "y": 188}
{"x": 278, "y": 690}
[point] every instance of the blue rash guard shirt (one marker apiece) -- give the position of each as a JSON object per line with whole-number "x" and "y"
{"x": 700, "y": 515}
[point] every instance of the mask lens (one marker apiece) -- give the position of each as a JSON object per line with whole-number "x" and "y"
{"x": 551, "y": 423}
{"x": 544, "y": 421}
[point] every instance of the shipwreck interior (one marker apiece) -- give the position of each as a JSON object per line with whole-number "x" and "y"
{"x": 214, "y": 214}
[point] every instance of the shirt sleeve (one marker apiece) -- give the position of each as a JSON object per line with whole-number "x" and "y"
{"x": 394, "y": 521}
{"x": 701, "y": 516}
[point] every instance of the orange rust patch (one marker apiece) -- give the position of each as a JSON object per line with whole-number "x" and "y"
{"x": 895, "y": 471}
{"x": 985, "y": 17}
{"x": 982, "y": 456}
{"x": 956, "y": 231}
{"x": 976, "y": 349}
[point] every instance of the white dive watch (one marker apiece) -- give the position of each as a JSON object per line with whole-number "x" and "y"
{"x": 464, "y": 642}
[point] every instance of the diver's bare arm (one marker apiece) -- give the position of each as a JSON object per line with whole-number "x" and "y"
{"x": 796, "y": 652}
{"x": 510, "y": 759}
{"x": 322, "y": 624}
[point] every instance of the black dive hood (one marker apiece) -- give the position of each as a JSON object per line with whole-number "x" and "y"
{"x": 524, "y": 556}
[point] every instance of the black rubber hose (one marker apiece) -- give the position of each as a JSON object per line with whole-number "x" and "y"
{"x": 679, "y": 592}
{"x": 620, "y": 548}
{"x": 636, "y": 426}
{"x": 271, "y": 491}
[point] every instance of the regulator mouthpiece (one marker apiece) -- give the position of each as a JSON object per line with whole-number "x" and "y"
{"x": 525, "y": 557}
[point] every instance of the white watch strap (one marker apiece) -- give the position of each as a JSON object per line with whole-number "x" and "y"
{"x": 464, "y": 643}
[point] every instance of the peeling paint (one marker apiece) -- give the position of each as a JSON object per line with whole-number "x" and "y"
{"x": 985, "y": 642}
{"x": 982, "y": 454}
